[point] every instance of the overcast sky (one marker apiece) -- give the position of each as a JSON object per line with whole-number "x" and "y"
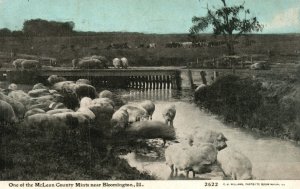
{"x": 149, "y": 16}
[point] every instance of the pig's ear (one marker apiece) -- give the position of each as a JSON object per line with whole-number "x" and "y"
{"x": 221, "y": 137}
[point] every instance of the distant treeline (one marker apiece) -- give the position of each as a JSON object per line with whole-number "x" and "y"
{"x": 39, "y": 27}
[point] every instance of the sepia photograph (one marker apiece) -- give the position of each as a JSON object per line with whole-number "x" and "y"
{"x": 144, "y": 90}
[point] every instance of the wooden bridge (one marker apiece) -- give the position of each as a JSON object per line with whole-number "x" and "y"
{"x": 138, "y": 78}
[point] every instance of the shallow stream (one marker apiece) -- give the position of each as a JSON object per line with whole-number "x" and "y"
{"x": 271, "y": 158}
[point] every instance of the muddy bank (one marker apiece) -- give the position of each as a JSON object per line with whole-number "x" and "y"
{"x": 57, "y": 153}
{"x": 266, "y": 105}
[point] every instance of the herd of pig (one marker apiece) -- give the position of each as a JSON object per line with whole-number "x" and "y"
{"x": 88, "y": 62}
{"x": 68, "y": 99}
{"x": 99, "y": 62}
{"x": 207, "y": 151}
{"x": 67, "y": 103}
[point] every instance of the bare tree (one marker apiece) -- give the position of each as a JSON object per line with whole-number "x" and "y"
{"x": 229, "y": 21}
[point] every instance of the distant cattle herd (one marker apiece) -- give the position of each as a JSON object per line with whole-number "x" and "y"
{"x": 185, "y": 44}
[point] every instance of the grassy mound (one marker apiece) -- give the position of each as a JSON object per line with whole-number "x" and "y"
{"x": 270, "y": 107}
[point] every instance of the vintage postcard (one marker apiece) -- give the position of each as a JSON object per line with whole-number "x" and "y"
{"x": 149, "y": 93}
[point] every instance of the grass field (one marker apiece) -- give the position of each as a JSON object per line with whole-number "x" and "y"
{"x": 277, "y": 48}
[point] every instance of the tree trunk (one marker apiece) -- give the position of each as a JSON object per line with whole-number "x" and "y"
{"x": 230, "y": 48}
{"x": 230, "y": 44}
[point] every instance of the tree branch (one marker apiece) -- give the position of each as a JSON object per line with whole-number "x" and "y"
{"x": 224, "y": 3}
{"x": 244, "y": 30}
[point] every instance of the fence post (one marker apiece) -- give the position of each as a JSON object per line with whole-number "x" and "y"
{"x": 190, "y": 76}
{"x": 216, "y": 75}
{"x": 177, "y": 80}
{"x": 203, "y": 77}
